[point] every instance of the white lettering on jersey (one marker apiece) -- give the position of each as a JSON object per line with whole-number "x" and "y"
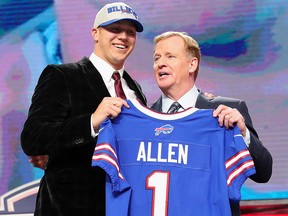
{"x": 176, "y": 153}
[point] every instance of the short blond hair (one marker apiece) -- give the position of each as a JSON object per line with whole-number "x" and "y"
{"x": 191, "y": 46}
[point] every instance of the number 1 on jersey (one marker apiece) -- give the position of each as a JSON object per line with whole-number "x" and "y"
{"x": 158, "y": 182}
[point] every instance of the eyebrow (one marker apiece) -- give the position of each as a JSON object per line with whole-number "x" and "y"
{"x": 166, "y": 53}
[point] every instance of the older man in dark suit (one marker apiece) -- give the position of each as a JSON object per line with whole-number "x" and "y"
{"x": 69, "y": 103}
{"x": 176, "y": 66}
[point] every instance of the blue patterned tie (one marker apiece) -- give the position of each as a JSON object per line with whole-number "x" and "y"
{"x": 174, "y": 107}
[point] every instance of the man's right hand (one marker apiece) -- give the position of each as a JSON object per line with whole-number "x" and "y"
{"x": 109, "y": 107}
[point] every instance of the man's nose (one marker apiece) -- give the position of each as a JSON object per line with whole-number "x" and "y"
{"x": 161, "y": 63}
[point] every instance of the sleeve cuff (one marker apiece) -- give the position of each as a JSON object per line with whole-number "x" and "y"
{"x": 95, "y": 133}
{"x": 247, "y": 138}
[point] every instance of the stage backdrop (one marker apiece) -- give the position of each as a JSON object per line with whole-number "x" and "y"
{"x": 244, "y": 55}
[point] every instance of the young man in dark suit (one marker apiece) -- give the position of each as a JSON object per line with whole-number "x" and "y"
{"x": 176, "y": 65}
{"x": 69, "y": 103}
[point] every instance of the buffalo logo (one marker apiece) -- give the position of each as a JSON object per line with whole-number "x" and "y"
{"x": 165, "y": 129}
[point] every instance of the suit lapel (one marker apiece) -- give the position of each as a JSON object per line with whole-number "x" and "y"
{"x": 98, "y": 86}
{"x": 157, "y": 105}
{"x": 132, "y": 85}
{"x": 94, "y": 79}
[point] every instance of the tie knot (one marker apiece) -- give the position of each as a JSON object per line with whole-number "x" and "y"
{"x": 174, "y": 107}
{"x": 116, "y": 76}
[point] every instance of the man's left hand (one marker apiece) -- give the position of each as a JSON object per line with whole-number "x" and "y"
{"x": 228, "y": 116}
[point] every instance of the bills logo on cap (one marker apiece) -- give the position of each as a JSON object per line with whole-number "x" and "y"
{"x": 122, "y": 9}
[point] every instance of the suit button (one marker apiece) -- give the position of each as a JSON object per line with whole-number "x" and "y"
{"x": 78, "y": 141}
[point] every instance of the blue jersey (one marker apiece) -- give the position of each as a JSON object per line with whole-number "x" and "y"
{"x": 170, "y": 164}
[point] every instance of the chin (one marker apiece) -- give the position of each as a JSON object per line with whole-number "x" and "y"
{"x": 163, "y": 86}
{"x": 164, "y": 82}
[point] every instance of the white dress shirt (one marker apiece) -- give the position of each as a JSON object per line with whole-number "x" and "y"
{"x": 186, "y": 101}
{"x": 106, "y": 71}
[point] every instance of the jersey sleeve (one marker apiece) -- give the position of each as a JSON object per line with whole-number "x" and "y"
{"x": 105, "y": 156}
{"x": 238, "y": 161}
{"x": 118, "y": 191}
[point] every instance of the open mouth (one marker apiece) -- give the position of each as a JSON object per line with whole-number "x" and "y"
{"x": 163, "y": 74}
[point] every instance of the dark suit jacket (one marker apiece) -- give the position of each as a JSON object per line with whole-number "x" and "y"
{"x": 261, "y": 156}
{"x": 58, "y": 124}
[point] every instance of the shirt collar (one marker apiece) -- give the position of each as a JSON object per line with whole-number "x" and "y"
{"x": 186, "y": 101}
{"x": 104, "y": 68}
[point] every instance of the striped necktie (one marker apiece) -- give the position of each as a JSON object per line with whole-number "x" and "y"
{"x": 174, "y": 107}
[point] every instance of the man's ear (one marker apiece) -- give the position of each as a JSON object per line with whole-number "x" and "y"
{"x": 193, "y": 64}
{"x": 94, "y": 33}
